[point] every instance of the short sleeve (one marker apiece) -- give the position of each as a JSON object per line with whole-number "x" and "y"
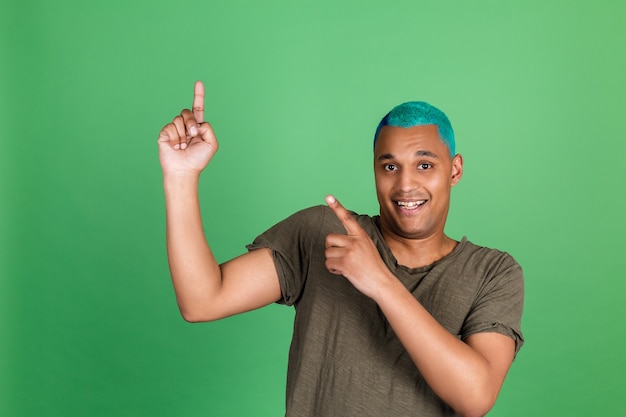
{"x": 293, "y": 242}
{"x": 499, "y": 303}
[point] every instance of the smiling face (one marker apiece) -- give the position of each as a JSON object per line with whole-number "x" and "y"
{"x": 414, "y": 175}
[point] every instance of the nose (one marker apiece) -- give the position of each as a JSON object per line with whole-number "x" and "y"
{"x": 408, "y": 181}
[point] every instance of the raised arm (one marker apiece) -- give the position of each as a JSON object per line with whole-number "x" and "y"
{"x": 205, "y": 291}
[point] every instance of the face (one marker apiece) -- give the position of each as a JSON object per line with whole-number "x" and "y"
{"x": 414, "y": 175}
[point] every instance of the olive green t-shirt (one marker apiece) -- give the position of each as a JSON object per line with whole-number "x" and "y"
{"x": 345, "y": 359}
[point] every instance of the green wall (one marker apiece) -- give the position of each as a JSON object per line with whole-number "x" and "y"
{"x": 88, "y": 322}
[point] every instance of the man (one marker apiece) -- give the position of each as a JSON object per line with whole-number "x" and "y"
{"x": 393, "y": 317}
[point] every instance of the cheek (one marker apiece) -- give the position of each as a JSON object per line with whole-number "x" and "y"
{"x": 383, "y": 185}
{"x": 439, "y": 184}
{"x": 441, "y": 192}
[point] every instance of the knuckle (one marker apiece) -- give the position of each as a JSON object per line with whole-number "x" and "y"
{"x": 186, "y": 114}
{"x": 165, "y": 128}
{"x": 163, "y": 134}
{"x": 168, "y": 129}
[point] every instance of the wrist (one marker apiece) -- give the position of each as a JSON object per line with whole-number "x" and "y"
{"x": 178, "y": 185}
{"x": 176, "y": 178}
{"x": 388, "y": 288}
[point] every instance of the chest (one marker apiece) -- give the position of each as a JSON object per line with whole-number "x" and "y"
{"x": 448, "y": 295}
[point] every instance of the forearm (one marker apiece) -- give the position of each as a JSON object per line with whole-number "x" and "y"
{"x": 195, "y": 273}
{"x": 456, "y": 372}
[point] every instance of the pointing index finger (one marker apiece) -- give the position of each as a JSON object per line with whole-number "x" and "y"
{"x": 198, "y": 101}
{"x": 344, "y": 216}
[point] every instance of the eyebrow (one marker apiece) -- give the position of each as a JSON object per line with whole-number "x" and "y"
{"x": 387, "y": 156}
{"x": 426, "y": 153}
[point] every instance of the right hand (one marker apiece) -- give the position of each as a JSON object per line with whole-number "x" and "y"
{"x": 188, "y": 143}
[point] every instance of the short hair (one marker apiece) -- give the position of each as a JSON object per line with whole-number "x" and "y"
{"x": 419, "y": 113}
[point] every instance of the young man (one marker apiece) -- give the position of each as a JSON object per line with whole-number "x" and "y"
{"x": 393, "y": 317}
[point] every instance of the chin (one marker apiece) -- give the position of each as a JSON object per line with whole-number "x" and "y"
{"x": 407, "y": 232}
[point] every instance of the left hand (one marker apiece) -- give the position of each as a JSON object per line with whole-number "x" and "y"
{"x": 354, "y": 254}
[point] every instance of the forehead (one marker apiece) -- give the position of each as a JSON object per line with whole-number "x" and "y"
{"x": 400, "y": 140}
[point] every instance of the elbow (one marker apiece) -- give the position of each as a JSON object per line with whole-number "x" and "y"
{"x": 192, "y": 318}
{"x": 477, "y": 405}
{"x": 475, "y": 411}
{"x": 195, "y": 315}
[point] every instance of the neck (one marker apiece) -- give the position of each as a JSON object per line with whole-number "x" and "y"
{"x": 416, "y": 253}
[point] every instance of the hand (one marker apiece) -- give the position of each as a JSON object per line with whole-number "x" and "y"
{"x": 354, "y": 255}
{"x": 188, "y": 143}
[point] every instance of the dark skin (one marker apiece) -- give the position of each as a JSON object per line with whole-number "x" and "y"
{"x": 414, "y": 175}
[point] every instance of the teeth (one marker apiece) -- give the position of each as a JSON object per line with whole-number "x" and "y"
{"x": 411, "y": 204}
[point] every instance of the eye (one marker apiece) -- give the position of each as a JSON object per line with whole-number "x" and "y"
{"x": 390, "y": 167}
{"x": 424, "y": 165}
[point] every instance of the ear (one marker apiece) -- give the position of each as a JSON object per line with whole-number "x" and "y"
{"x": 457, "y": 169}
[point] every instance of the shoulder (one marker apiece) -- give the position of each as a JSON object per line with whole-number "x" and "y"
{"x": 305, "y": 218}
{"x": 485, "y": 257}
{"x": 482, "y": 267}
{"x": 323, "y": 218}
{"x": 310, "y": 218}
{"x": 303, "y": 226}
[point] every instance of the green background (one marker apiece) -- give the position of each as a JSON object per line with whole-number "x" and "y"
{"x": 88, "y": 321}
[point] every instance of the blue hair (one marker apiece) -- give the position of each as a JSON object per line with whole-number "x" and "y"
{"x": 419, "y": 113}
